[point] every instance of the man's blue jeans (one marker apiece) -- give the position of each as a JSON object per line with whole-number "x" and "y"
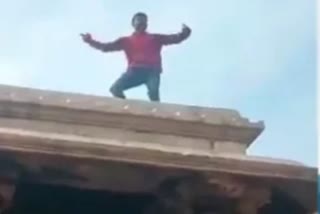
{"x": 135, "y": 77}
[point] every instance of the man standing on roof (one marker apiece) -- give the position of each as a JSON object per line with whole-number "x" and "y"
{"x": 143, "y": 53}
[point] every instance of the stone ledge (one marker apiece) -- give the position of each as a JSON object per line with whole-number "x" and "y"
{"x": 86, "y": 162}
{"x": 93, "y": 148}
{"x": 111, "y": 136}
{"x": 189, "y": 121}
{"x": 214, "y": 116}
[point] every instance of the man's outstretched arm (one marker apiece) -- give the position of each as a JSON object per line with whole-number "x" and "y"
{"x": 175, "y": 38}
{"x": 105, "y": 47}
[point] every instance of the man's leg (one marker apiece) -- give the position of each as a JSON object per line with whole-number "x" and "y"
{"x": 126, "y": 81}
{"x": 153, "y": 86}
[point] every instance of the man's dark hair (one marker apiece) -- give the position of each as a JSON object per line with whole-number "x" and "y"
{"x": 138, "y": 14}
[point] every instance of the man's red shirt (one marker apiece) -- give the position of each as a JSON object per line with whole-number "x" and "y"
{"x": 144, "y": 49}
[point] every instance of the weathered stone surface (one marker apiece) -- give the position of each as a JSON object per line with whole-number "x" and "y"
{"x": 106, "y": 136}
{"x": 89, "y": 163}
{"x": 101, "y": 143}
{"x": 73, "y": 145}
{"x": 229, "y": 147}
{"x": 130, "y": 107}
{"x": 197, "y": 123}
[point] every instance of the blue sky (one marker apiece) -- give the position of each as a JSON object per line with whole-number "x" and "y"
{"x": 256, "y": 56}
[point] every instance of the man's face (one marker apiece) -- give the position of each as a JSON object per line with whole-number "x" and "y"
{"x": 140, "y": 23}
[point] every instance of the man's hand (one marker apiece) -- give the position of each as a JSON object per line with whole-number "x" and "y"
{"x": 102, "y": 46}
{"x": 186, "y": 31}
{"x": 185, "y": 28}
{"x": 86, "y": 37}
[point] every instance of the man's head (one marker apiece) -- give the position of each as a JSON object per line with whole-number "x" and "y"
{"x": 140, "y": 22}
